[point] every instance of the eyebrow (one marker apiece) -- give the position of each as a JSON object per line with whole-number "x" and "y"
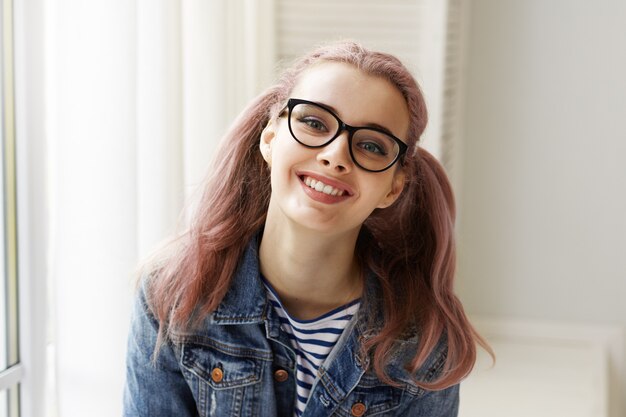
{"x": 373, "y": 125}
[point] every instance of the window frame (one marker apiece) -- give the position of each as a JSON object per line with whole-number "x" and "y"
{"x": 11, "y": 377}
{"x": 29, "y": 248}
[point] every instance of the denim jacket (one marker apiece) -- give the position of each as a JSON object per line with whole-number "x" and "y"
{"x": 240, "y": 363}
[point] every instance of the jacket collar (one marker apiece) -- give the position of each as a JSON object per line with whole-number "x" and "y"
{"x": 245, "y": 301}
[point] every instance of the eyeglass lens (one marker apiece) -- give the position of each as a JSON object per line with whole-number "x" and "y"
{"x": 315, "y": 126}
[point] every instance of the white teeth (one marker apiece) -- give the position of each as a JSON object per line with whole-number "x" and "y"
{"x": 321, "y": 187}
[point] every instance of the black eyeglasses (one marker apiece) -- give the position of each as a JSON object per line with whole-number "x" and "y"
{"x": 315, "y": 126}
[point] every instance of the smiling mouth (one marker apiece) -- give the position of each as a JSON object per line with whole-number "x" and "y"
{"x": 321, "y": 187}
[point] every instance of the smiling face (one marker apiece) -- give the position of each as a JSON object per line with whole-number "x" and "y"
{"x": 321, "y": 188}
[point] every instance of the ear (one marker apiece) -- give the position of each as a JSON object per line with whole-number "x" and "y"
{"x": 265, "y": 144}
{"x": 397, "y": 185}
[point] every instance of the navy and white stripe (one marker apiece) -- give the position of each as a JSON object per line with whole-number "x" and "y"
{"x": 312, "y": 341}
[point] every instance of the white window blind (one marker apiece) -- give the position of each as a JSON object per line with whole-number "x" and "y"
{"x": 452, "y": 92}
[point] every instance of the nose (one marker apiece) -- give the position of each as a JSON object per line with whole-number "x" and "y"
{"x": 336, "y": 155}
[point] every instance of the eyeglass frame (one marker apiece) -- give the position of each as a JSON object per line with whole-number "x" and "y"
{"x": 293, "y": 102}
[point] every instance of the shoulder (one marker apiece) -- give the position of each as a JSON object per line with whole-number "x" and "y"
{"x": 144, "y": 291}
{"x": 403, "y": 354}
{"x": 417, "y": 400}
{"x": 407, "y": 393}
{"x": 405, "y": 346}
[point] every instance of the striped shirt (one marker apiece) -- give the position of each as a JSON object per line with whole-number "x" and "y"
{"x": 312, "y": 341}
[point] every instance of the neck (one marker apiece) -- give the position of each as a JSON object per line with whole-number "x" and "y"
{"x": 312, "y": 272}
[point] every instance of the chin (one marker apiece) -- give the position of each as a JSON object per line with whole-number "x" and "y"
{"x": 328, "y": 227}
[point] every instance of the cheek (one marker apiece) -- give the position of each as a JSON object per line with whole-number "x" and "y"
{"x": 287, "y": 152}
{"x": 380, "y": 192}
{"x": 285, "y": 157}
{"x": 383, "y": 187}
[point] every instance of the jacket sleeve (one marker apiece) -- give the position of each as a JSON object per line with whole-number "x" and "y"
{"x": 154, "y": 388}
{"x": 444, "y": 403}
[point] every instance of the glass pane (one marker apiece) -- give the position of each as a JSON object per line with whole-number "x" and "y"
{"x": 4, "y": 404}
{"x": 3, "y": 275}
{"x": 9, "y": 402}
{"x": 8, "y": 240}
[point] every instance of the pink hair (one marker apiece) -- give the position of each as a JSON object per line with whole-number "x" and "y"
{"x": 410, "y": 245}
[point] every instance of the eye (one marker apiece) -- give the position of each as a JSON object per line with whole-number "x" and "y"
{"x": 372, "y": 148}
{"x": 313, "y": 124}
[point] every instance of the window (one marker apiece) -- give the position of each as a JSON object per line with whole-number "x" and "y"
{"x": 10, "y": 369}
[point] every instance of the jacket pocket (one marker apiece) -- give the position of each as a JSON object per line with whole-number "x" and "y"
{"x": 226, "y": 379}
{"x": 222, "y": 366}
{"x": 371, "y": 399}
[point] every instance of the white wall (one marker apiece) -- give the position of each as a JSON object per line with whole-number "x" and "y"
{"x": 543, "y": 209}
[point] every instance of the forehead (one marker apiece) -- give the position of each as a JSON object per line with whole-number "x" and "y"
{"x": 358, "y": 98}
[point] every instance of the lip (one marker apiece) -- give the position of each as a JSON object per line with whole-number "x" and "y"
{"x": 320, "y": 196}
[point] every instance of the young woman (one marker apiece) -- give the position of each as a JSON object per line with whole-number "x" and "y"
{"x": 316, "y": 276}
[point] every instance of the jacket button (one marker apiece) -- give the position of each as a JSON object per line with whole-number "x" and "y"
{"x": 281, "y": 375}
{"x": 217, "y": 375}
{"x": 358, "y": 409}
